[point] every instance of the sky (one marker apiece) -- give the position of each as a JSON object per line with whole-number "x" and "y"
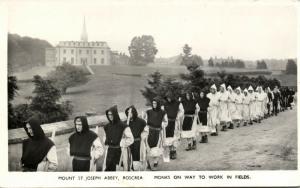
{"x": 249, "y": 30}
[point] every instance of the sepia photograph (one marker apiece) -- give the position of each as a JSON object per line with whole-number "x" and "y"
{"x": 142, "y": 86}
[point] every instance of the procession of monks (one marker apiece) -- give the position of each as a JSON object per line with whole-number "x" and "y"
{"x": 142, "y": 141}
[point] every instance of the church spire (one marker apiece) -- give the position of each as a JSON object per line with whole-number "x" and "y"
{"x": 84, "y": 36}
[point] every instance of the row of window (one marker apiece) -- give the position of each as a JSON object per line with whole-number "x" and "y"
{"x": 84, "y": 60}
{"x": 80, "y": 51}
{"x": 82, "y": 43}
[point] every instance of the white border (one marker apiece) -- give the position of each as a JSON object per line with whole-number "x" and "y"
{"x": 19, "y": 179}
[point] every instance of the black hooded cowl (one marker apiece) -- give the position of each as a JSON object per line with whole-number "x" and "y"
{"x": 137, "y": 124}
{"x": 172, "y": 108}
{"x": 81, "y": 142}
{"x": 203, "y": 103}
{"x": 36, "y": 147}
{"x": 189, "y": 105}
{"x": 155, "y": 116}
{"x": 114, "y": 129}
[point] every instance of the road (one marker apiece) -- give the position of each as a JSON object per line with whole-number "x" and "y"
{"x": 270, "y": 145}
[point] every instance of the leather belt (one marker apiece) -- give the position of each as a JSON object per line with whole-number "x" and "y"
{"x": 82, "y": 158}
{"x": 115, "y": 147}
{"x": 154, "y": 128}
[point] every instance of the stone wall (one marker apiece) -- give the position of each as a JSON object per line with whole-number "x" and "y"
{"x": 63, "y": 131}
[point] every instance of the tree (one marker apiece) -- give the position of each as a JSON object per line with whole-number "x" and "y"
{"x": 261, "y": 65}
{"x": 45, "y": 103}
{"x": 239, "y": 63}
{"x": 142, "y": 50}
{"x": 12, "y": 88}
{"x": 210, "y": 62}
{"x": 291, "y": 67}
{"x": 195, "y": 81}
{"x": 187, "y": 50}
{"x": 66, "y": 76}
{"x": 190, "y": 61}
{"x": 25, "y": 52}
{"x": 158, "y": 86}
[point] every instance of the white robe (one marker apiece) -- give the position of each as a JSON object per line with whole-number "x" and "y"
{"x": 212, "y": 111}
{"x": 266, "y": 100}
{"x": 237, "y": 115}
{"x": 231, "y": 105}
{"x": 49, "y": 163}
{"x": 252, "y": 106}
{"x": 223, "y": 107}
{"x": 246, "y": 108}
{"x": 260, "y": 104}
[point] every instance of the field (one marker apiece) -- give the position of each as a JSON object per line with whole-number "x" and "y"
{"x": 109, "y": 85}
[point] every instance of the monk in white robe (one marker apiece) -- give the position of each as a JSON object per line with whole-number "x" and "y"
{"x": 246, "y": 107}
{"x": 231, "y": 105}
{"x": 237, "y": 115}
{"x": 257, "y": 105}
{"x": 252, "y": 105}
{"x": 212, "y": 110}
{"x": 223, "y": 107}
{"x": 265, "y": 103}
{"x": 260, "y": 104}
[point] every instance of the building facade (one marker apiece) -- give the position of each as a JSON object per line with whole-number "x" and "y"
{"x": 81, "y": 52}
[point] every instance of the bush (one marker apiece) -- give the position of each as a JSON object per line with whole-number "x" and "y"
{"x": 45, "y": 103}
{"x": 158, "y": 86}
{"x": 66, "y": 76}
{"x": 12, "y": 88}
{"x": 195, "y": 81}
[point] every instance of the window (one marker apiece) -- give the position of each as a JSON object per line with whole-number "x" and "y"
{"x": 102, "y": 51}
{"x": 102, "y": 60}
{"x": 72, "y": 51}
{"x": 64, "y": 51}
{"x": 95, "y": 51}
{"x": 72, "y": 60}
{"x": 95, "y": 61}
{"x": 79, "y": 51}
{"x": 65, "y": 60}
{"x": 87, "y": 51}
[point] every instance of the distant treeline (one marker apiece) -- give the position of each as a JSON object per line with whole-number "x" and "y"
{"x": 25, "y": 52}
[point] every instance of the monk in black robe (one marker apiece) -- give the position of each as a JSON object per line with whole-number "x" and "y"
{"x": 137, "y": 126}
{"x": 118, "y": 135}
{"x": 38, "y": 151}
{"x": 85, "y": 146}
{"x": 190, "y": 106}
{"x": 157, "y": 120}
{"x": 174, "y": 110}
{"x": 203, "y": 103}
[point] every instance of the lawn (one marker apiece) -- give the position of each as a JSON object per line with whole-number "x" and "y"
{"x": 110, "y": 85}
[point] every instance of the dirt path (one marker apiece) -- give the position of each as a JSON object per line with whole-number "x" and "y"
{"x": 271, "y": 145}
